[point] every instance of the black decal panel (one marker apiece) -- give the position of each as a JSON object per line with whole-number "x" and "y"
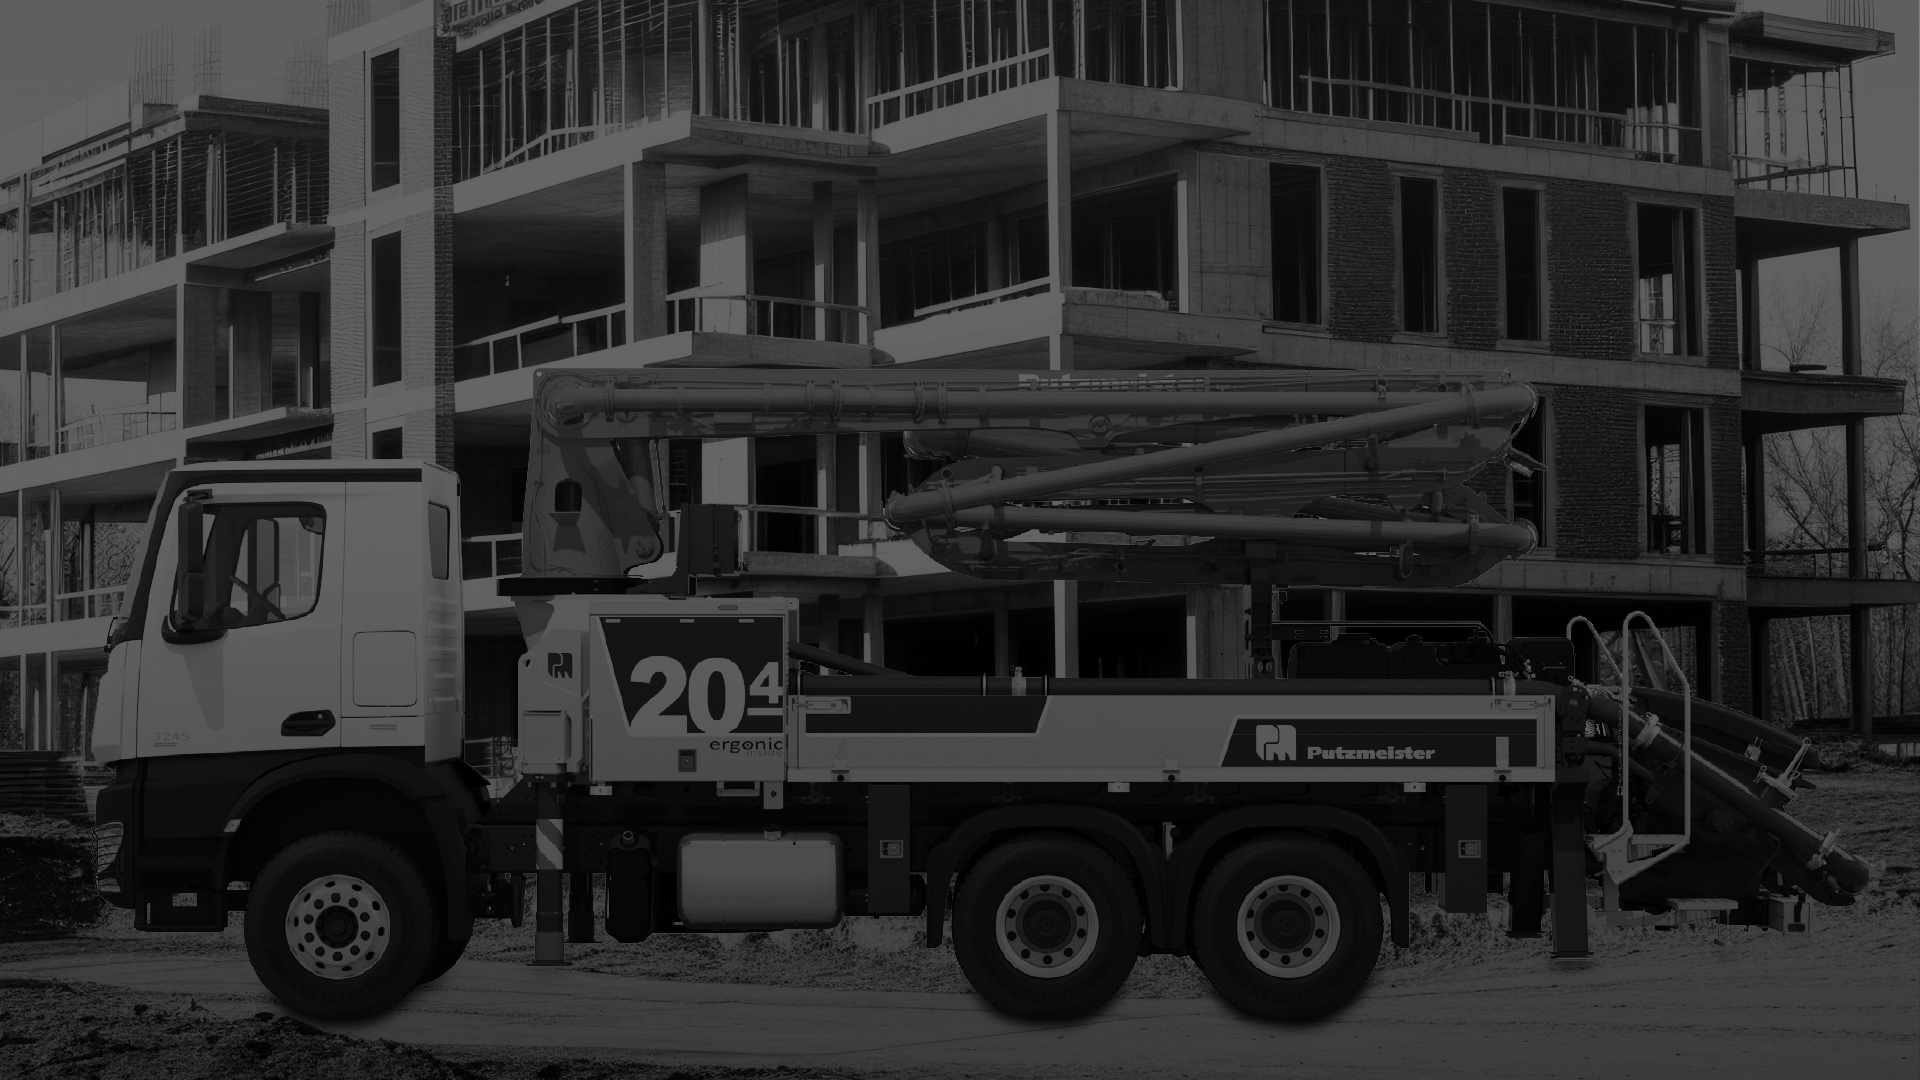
{"x": 1412, "y": 743}
{"x": 885, "y": 715}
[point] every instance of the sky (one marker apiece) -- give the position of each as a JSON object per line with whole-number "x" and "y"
{"x": 55, "y": 54}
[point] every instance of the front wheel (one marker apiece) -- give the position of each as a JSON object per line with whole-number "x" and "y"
{"x": 1046, "y": 928}
{"x": 340, "y": 925}
{"x": 1287, "y": 929}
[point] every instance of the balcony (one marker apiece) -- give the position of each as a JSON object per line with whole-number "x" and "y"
{"x": 116, "y": 425}
{"x": 1792, "y": 106}
{"x": 557, "y": 337}
{"x": 1819, "y": 581}
{"x": 697, "y": 311}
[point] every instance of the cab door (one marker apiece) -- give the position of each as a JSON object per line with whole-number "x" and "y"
{"x": 241, "y": 650}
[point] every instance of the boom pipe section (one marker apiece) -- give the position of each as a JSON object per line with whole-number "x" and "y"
{"x": 925, "y": 505}
{"x": 1518, "y": 539}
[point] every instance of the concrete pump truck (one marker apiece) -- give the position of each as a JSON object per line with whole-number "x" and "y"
{"x": 283, "y": 705}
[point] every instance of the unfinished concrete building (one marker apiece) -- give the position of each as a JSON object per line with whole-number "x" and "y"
{"x": 163, "y": 292}
{"x": 1581, "y": 193}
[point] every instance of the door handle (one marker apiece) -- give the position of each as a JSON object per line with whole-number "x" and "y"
{"x": 318, "y": 722}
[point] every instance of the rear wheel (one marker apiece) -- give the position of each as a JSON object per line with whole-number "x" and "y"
{"x": 446, "y": 953}
{"x": 340, "y": 925}
{"x": 1287, "y": 929}
{"x": 1046, "y": 928}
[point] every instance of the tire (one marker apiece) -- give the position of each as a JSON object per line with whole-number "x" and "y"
{"x": 1287, "y": 929}
{"x": 1046, "y": 928}
{"x": 446, "y": 953}
{"x": 347, "y": 890}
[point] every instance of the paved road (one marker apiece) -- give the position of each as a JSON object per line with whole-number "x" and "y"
{"x": 1639, "y": 1016}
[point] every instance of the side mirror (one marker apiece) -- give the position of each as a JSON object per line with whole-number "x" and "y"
{"x": 189, "y": 606}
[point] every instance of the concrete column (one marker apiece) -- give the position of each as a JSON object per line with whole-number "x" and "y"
{"x": 1861, "y": 625}
{"x": 726, "y": 255}
{"x": 1060, "y": 232}
{"x": 646, "y": 249}
{"x": 823, "y": 321}
{"x": 1002, "y": 644}
{"x": 1066, "y": 629}
{"x": 872, "y": 497}
{"x": 873, "y": 630}
{"x": 1503, "y": 617}
{"x": 826, "y": 469}
{"x": 1760, "y": 656}
{"x": 1756, "y": 450}
{"x": 867, "y": 243}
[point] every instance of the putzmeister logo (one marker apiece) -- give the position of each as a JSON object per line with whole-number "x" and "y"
{"x": 1276, "y": 742}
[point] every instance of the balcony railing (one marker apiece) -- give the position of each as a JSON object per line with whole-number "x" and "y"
{"x": 766, "y": 316}
{"x": 923, "y": 97}
{"x": 99, "y": 429}
{"x": 983, "y": 299}
{"x": 490, "y": 556}
{"x": 92, "y": 603}
{"x": 557, "y": 337}
{"x": 1829, "y": 562}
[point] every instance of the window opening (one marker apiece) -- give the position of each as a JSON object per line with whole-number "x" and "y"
{"x": 1295, "y": 195}
{"x": 1667, "y": 281}
{"x": 386, "y": 317}
{"x": 1419, "y": 255}
{"x": 384, "y": 148}
{"x": 1127, "y": 241}
{"x": 1520, "y": 263}
{"x": 1676, "y": 481}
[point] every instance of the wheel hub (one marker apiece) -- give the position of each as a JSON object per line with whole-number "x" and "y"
{"x": 1288, "y": 926}
{"x": 1048, "y": 926}
{"x": 338, "y": 926}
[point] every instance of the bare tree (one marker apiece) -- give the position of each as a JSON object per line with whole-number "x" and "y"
{"x": 1806, "y": 494}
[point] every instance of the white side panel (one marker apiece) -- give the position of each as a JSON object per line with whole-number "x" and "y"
{"x": 385, "y": 669}
{"x": 386, "y": 563}
{"x": 110, "y": 706}
{"x": 444, "y": 646}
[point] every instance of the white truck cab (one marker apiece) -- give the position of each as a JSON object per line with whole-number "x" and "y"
{"x": 348, "y": 567}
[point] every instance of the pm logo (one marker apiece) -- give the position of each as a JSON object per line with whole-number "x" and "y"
{"x": 1275, "y": 742}
{"x": 559, "y": 665}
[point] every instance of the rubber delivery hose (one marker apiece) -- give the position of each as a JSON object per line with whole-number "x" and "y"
{"x": 1800, "y": 843}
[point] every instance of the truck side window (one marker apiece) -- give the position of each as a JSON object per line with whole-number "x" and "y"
{"x": 439, "y": 540}
{"x": 262, "y": 563}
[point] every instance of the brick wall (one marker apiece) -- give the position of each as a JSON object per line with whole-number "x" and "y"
{"x": 203, "y": 345}
{"x": 1733, "y": 640}
{"x": 1728, "y": 494}
{"x": 1469, "y": 202}
{"x": 348, "y": 304}
{"x": 1717, "y": 270}
{"x": 1589, "y": 271}
{"x": 1228, "y": 207}
{"x": 347, "y": 133}
{"x": 1597, "y": 475}
{"x": 1360, "y": 250}
{"x": 349, "y": 434}
{"x": 418, "y": 93}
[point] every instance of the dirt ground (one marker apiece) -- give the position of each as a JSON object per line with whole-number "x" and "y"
{"x": 79, "y": 1030}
